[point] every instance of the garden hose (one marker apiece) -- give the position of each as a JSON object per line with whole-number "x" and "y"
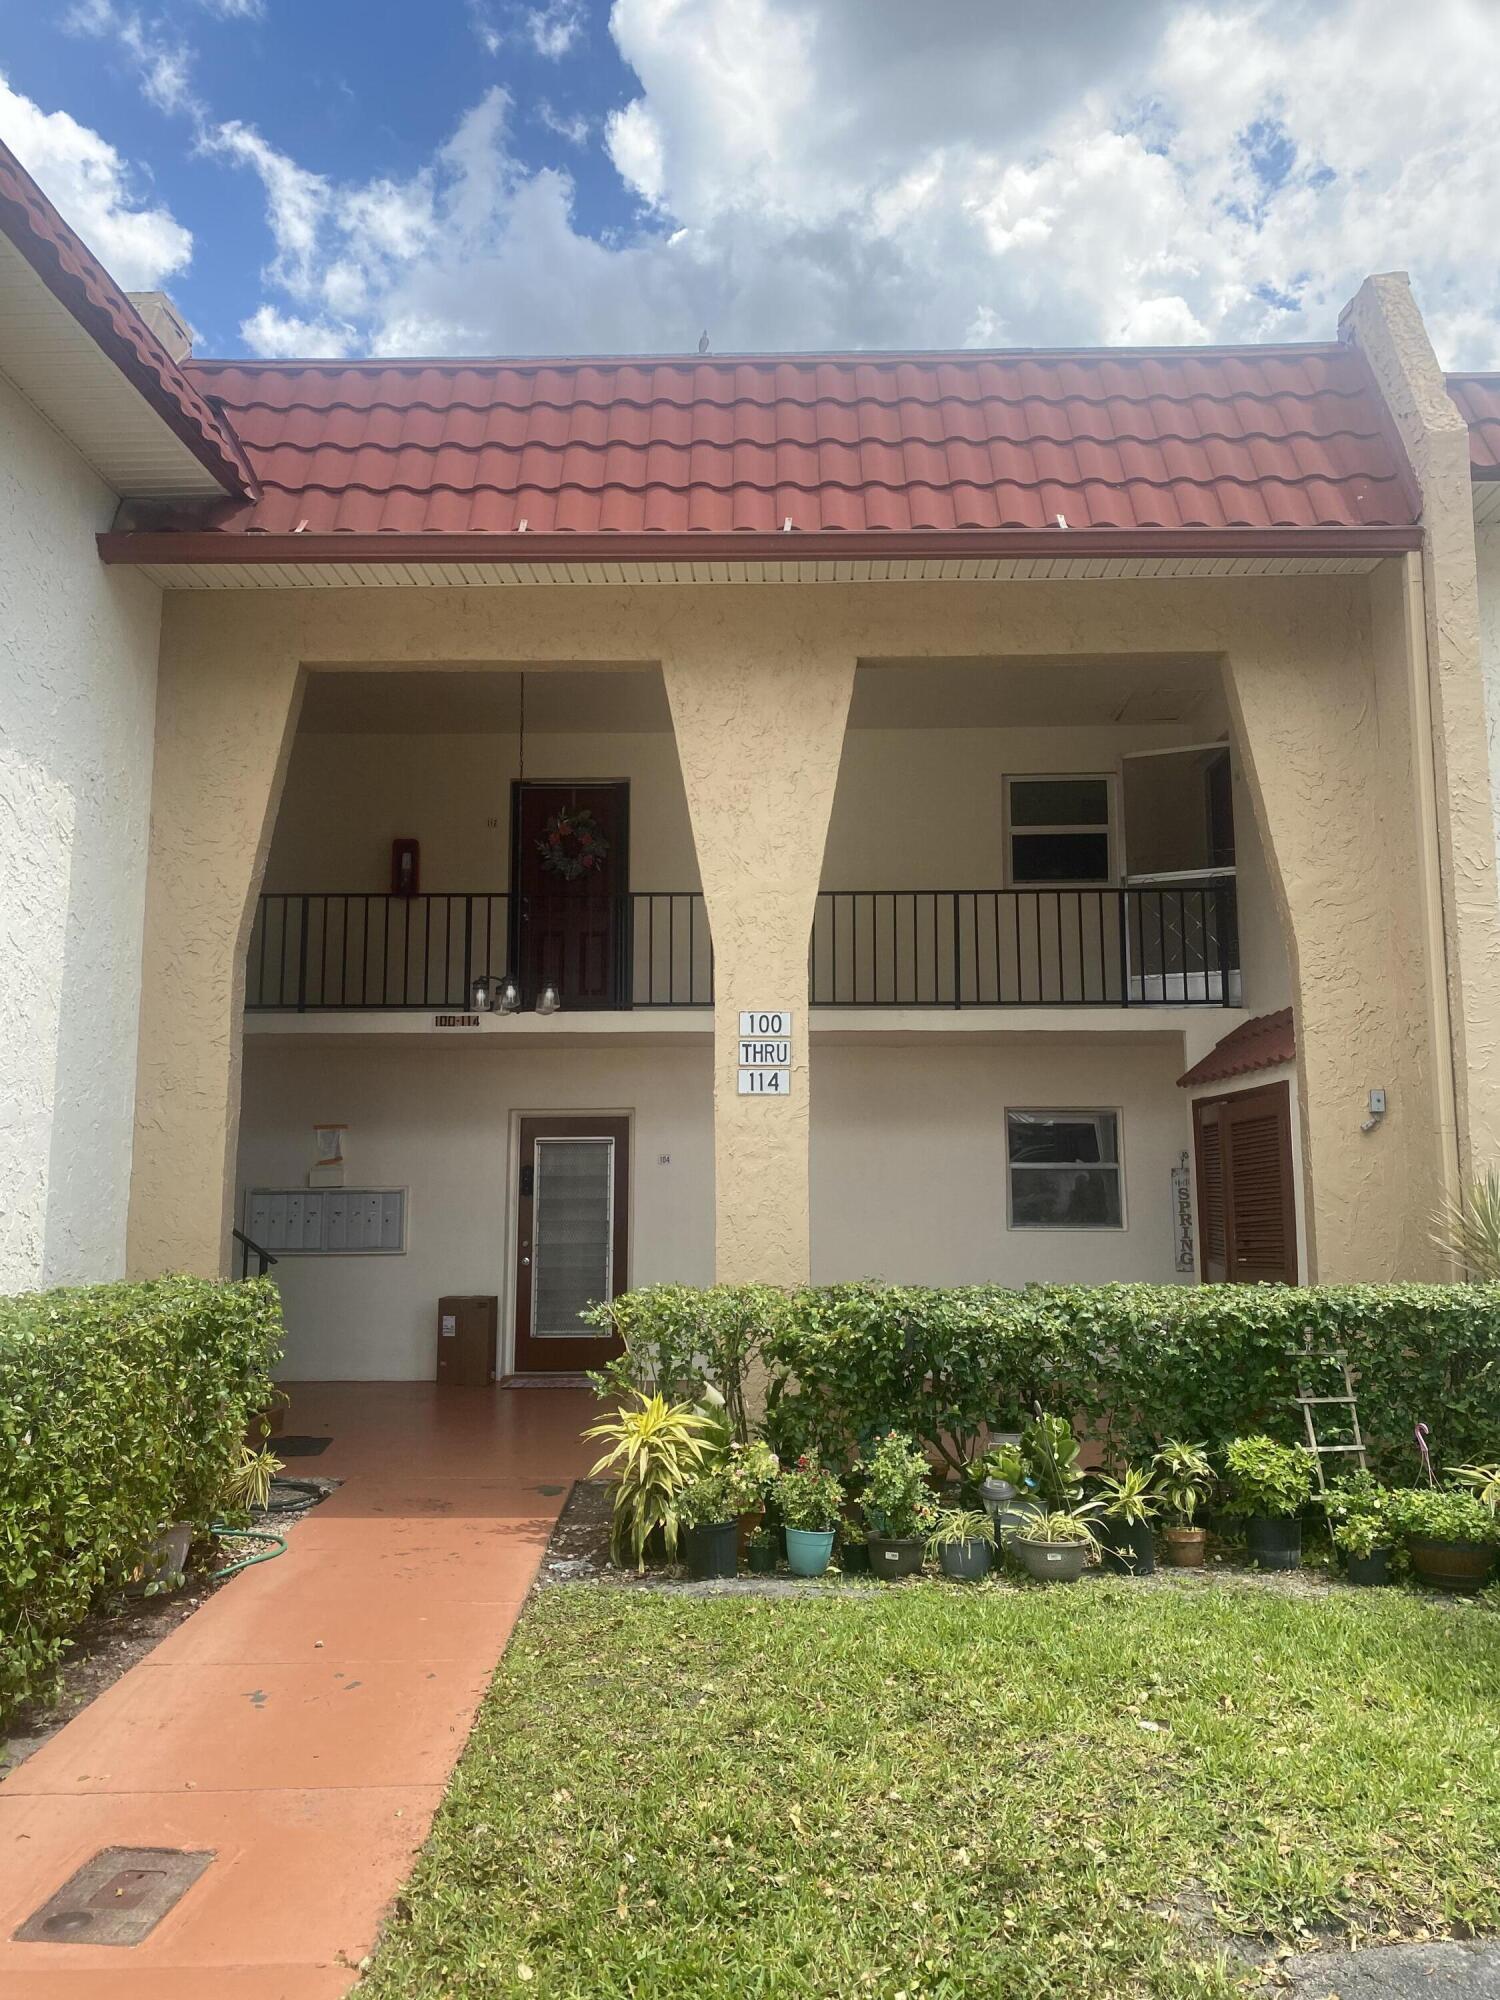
{"x": 246, "y": 1535}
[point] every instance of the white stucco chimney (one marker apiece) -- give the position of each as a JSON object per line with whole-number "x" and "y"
{"x": 165, "y": 321}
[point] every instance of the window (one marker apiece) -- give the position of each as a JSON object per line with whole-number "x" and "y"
{"x": 1064, "y": 1170}
{"x": 1058, "y": 831}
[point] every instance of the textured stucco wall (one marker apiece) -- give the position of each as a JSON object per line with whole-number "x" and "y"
{"x": 759, "y": 682}
{"x": 1487, "y": 552}
{"x": 1384, "y": 324}
{"x": 77, "y": 688}
{"x": 439, "y": 1122}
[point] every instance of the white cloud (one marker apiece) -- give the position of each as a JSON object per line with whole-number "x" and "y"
{"x": 89, "y": 182}
{"x": 833, "y": 173}
{"x": 283, "y": 337}
{"x": 575, "y": 130}
{"x": 163, "y": 65}
{"x": 236, "y": 10}
{"x": 553, "y": 28}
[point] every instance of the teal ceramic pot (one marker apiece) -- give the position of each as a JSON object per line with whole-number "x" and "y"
{"x": 808, "y": 1550}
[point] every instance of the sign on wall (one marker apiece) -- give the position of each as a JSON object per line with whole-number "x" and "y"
{"x": 765, "y": 1055}
{"x": 1182, "y": 1215}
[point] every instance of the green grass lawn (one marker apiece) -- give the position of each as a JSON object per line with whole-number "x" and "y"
{"x": 930, "y": 1792}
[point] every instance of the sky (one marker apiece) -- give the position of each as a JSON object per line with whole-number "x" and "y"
{"x": 442, "y": 177}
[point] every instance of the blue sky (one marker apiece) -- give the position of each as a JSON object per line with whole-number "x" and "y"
{"x": 551, "y": 176}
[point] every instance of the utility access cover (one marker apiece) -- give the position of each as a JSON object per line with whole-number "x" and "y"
{"x": 117, "y": 1898}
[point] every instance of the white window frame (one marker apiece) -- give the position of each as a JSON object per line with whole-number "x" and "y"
{"x": 1110, "y": 828}
{"x": 1063, "y": 1111}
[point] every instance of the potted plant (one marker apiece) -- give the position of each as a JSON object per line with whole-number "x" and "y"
{"x": 1362, "y": 1527}
{"x": 1127, "y": 1507}
{"x": 1183, "y": 1478}
{"x": 962, "y": 1539}
{"x": 1450, "y": 1536}
{"x": 1270, "y": 1484}
{"x": 711, "y": 1506}
{"x": 763, "y": 1551}
{"x": 1056, "y": 1547}
{"x": 657, "y": 1448}
{"x": 808, "y": 1498}
{"x": 1041, "y": 1471}
{"x": 896, "y": 1502}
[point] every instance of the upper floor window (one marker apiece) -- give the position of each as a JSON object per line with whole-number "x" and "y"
{"x": 1058, "y": 831}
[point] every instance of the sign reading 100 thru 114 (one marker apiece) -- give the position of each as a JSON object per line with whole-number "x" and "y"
{"x": 765, "y": 1064}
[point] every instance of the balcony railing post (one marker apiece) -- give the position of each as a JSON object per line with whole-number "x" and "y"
{"x": 302, "y": 959}
{"x": 958, "y": 998}
{"x": 1124, "y": 896}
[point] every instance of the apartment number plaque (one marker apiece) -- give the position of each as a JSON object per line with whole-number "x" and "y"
{"x": 765, "y": 1064}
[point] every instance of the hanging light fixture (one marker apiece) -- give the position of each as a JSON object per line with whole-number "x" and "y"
{"x": 548, "y": 1001}
{"x": 483, "y": 994}
{"x": 509, "y": 1001}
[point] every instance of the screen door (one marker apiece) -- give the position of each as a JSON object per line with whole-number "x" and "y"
{"x": 572, "y": 1242}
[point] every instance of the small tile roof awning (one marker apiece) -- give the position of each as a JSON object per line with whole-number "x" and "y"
{"x": 1265, "y": 1042}
{"x": 1274, "y": 451}
{"x": 79, "y": 283}
{"x": 1478, "y": 400}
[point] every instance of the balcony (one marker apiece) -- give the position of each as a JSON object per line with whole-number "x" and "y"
{"x": 1171, "y": 945}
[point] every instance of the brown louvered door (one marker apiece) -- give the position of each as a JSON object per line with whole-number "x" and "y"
{"x": 1247, "y": 1219}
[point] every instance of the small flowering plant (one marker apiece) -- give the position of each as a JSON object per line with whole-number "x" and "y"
{"x": 808, "y": 1496}
{"x": 1361, "y": 1515}
{"x": 896, "y": 1498}
{"x": 736, "y": 1484}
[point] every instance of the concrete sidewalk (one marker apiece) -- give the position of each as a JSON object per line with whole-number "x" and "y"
{"x": 303, "y": 1723}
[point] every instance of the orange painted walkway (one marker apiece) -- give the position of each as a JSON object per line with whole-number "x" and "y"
{"x": 302, "y": 1723}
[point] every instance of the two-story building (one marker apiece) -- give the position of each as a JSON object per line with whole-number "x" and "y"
{"x": 936, "y": 816}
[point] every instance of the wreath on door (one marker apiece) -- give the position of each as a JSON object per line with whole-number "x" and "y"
{"x": 572, "y": 845}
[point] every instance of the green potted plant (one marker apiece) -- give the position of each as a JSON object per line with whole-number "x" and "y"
{"x": 1041, "y": 1470}
{"x": 1056, "y": 1547}
{"x": 712, "y": 1503}
{"x": 763, "y": 1551}
{"x": 1270, "y": 1484}
{"x": 808, "y": 1498}
{"x": 896, "y": 1502}
{"x": 1128, "y": 1506}
{"x": 962, "y": 1539}
{"x": 657, "y": 1449}
{"x": 1362, "y": 1527}
{"x": 1183, "y": 1477}
{"x": 1450, "y": 1535}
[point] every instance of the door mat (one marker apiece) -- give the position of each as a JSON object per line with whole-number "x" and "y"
{"x": 299, "y": 1447}
{"x": 117, "y": 1898}
{"x": 558, "y": 1381}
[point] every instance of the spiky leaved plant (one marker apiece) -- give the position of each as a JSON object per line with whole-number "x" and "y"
{"x": 1468, "y": 1228}
{"x": 657, "y": 1449}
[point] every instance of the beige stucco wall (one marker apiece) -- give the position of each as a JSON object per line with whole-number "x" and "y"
{"x": 348, "y": 795}
{"x": 1384, "y": 324}
{"x": 909, "y": 1159}
{"x": 78, "y": 648}
{"x": 1487, "y": 556}
{"x": 439, "y": 1121}
{"x": 759, "y": 678}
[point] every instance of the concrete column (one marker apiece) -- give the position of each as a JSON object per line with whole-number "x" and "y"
{"x": 226, "y": 711}
{"x": 1383, "y": 323}
{"x": 1323, "y": 733}
{"x": 760, "y": 729}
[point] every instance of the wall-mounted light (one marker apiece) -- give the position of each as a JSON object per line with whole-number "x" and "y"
{"x": 547, "y": 1000}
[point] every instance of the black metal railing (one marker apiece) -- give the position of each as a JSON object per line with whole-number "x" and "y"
{"x": 248, "y": 1249}
{"x": 328, "y": 949}
{"x": 1137, "y": 947}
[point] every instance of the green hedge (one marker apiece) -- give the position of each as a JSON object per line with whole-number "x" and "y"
{"x": 1132, "y": 1363}
{"x": 122, "y": 1408}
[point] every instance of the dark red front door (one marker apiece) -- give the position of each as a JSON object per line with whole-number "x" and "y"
{"x": 570, "y": 873}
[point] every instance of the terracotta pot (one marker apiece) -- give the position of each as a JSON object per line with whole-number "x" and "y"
{"x": 1450, "y": 1565}
{"x": 1184, "y": 1548}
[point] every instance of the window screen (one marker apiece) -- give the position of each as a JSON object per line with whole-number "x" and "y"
{"x": 1064, "y": 1170}
{"x": 1059, "y": 830}
{"x": 573, "y": 1234}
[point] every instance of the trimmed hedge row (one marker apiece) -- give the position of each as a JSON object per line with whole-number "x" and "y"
{"x": 1134, "y": 1364}
{"x": 122, "y": 1409}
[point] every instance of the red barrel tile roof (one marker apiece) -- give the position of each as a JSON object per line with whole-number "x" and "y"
{"x": 79, "y": 281}
{"x": 1478, "y": 400}
{"x": 1170, "y": 442}
{"x": 1262, "y": 1043}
